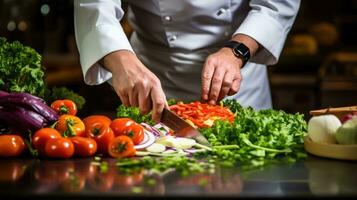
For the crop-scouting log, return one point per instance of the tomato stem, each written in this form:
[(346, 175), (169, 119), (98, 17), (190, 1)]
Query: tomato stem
[(63, 110)]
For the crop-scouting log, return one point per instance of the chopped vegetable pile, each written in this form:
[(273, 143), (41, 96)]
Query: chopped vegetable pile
[(202, 115), (254, 138)]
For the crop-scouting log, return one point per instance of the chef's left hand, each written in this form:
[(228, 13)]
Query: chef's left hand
[(221, 75)]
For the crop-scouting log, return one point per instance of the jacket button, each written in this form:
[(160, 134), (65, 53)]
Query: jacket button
[(221, 11), (172, 38), (167, 18)]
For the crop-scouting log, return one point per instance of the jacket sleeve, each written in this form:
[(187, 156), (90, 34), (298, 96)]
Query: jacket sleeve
[(98, 32), (269, 22)]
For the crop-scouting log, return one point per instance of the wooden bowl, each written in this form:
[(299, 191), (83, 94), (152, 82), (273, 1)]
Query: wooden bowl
[(336, 151)]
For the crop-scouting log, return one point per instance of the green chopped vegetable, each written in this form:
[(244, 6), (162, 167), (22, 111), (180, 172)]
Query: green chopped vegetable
[(64, 93), (134, 113), (20, 69), (254, 139), (261, 135)]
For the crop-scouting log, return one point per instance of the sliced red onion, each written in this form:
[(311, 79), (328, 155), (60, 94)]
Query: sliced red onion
[(151, 129), (148, 140)]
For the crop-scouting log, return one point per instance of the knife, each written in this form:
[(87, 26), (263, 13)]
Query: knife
[(181, 127)]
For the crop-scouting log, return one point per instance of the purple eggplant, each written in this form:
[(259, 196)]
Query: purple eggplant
[(22, 119), (31, 102), (3, 93)]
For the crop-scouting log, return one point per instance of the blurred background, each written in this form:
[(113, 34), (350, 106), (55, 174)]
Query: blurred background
[(317, 69)]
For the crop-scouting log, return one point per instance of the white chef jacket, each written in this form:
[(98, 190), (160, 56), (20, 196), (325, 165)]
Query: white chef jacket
[(174, 37)]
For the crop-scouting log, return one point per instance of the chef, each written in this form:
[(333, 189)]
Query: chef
[(184, 49)]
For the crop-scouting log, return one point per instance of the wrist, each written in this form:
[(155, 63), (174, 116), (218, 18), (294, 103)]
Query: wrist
[(113, 61), (239, 50)]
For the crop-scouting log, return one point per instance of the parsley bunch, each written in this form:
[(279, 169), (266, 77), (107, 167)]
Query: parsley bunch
[(261, 136), (20, 69)]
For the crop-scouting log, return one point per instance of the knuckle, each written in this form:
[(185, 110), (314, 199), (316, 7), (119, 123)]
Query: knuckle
[(216, 79), (206, 76)]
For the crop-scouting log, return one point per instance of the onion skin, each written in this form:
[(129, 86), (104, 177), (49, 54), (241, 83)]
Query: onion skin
[(348, 117)]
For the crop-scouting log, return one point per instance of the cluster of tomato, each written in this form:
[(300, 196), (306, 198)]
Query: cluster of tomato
[(202, 115), (71, 136)]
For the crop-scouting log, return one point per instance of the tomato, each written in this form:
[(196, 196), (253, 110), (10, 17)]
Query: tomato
[(135, 132), (65, 106), (102, 134), (69, 125), (11, 145), (121, 147), (95, 119), (59, 148), (84, 147), (41, 136), (118, 125)]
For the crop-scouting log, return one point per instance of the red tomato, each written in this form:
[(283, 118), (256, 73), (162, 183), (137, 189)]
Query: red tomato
[(59, 148), (120, 124), (135, 132), (69, 125), (11, 145), (95, 119), (84, 147), (121, 147), (65, 106), (41, 136), (102, 134)]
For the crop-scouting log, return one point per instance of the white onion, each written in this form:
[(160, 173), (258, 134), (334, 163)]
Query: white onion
[(323, 128)]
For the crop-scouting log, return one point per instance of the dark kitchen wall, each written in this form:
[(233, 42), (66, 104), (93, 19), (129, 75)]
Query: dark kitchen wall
[(316, 69)]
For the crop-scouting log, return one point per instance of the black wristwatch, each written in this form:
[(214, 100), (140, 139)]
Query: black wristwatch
[(239, 50)]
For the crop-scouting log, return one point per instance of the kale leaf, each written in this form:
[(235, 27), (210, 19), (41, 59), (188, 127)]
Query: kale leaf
[(20, 69)]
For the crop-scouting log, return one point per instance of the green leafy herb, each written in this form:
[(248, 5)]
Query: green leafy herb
[(262, 136), (133, 113), (20, 69), (254, 139), (64, 93)]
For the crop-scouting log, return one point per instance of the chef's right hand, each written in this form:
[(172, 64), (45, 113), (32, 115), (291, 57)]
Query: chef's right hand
[(135, 84)]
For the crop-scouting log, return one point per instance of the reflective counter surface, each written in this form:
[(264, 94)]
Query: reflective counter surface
[(80, 178)]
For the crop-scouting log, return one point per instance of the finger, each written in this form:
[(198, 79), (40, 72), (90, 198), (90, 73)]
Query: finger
[(144, 101), (133, 97), (216, 86), (235, 86), (206, 78), (226, 85), (123, 98), (158, 103)]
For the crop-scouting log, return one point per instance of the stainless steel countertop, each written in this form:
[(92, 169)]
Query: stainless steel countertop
[(79, 178)]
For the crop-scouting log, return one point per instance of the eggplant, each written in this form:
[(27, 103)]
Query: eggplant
[(31, 102), (22, 119), (3, 93)]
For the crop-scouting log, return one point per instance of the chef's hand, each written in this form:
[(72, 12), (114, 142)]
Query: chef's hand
[(221, 74), (135, 84)]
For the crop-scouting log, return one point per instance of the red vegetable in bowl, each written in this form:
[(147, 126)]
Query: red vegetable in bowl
[(348, 117)]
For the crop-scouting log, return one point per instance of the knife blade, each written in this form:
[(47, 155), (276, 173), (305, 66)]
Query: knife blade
[(181, 127)]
